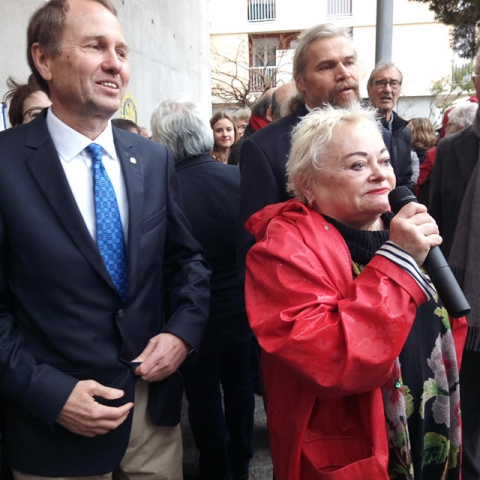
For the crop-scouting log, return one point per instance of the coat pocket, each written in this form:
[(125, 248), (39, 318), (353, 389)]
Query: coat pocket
[(339, 458), (155, 220)]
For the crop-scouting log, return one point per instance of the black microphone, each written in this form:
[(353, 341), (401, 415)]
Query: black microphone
[(435, 264)]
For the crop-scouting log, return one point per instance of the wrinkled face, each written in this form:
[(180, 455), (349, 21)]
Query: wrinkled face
[(331, 74), (385, 90), (89, 78), (34, 104), (356, 178), (241, 126), (223, 133)]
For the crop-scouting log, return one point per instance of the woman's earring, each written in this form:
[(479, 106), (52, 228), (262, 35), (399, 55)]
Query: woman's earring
[(310, 203)]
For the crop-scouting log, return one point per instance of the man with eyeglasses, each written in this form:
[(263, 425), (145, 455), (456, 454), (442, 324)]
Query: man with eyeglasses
[(384, 87)]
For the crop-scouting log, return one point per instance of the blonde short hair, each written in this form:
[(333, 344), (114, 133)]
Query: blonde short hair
[(310, 140)]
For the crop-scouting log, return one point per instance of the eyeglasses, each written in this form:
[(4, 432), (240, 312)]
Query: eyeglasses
[(33, 112), (394, 84)]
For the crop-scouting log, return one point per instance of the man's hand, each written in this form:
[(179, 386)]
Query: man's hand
[(163, 354), (81, 414)]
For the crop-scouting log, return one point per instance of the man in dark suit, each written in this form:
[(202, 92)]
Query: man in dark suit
[(455, 204), (325, 70), (104, 291)]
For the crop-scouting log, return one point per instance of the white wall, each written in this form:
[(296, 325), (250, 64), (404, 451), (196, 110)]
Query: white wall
[(169, 41)]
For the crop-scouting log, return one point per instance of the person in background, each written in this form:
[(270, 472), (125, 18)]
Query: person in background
[(360, 360), (210, 194), (384, 88), (261, 116), (423, 136), (126, 124), (241, 118), (454, 202), (104, 292), (224, 135), (462, 116), (27, 100), (326, 72), (144, 132), (281, 99)]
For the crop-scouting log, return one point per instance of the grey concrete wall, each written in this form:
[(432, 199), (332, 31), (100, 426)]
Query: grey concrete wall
[(169, 41)]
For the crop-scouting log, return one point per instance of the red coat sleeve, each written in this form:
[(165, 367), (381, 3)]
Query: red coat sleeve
[(341, 335)]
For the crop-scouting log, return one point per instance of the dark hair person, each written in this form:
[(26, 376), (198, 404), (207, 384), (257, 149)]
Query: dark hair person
[(360, 361), (26, 100)]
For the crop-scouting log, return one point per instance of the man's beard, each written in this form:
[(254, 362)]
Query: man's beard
[(337, 100)]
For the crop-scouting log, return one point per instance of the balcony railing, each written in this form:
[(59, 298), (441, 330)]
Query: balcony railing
[(261, 10), (262, 77), (337, 8)]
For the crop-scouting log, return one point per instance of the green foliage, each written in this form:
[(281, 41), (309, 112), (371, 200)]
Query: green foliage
[(446, 90), (436, 448), (464, 16)]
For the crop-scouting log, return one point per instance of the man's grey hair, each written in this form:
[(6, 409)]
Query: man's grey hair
[(179, 125), (463, 114), (310, 140), (383, 66), (319, 32)]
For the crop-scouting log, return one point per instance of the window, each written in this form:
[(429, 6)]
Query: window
[(261, 10), (336, 8), (263, 62)]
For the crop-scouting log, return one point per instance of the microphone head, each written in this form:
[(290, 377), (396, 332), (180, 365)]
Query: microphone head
[(399, 197)]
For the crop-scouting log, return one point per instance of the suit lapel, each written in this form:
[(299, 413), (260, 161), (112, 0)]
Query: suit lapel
[(131, 163), (49, 175)]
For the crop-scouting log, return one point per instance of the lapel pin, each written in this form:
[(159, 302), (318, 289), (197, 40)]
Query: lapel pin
[(133, 160)]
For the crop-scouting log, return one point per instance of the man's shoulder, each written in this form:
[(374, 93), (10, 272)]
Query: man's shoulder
[(465, 136), (275, 130)]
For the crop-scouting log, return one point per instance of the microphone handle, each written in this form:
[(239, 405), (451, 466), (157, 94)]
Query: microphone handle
[(446, 284)]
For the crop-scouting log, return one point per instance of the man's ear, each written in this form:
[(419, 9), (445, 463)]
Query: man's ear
[(299, 83), (42, 62), (269, 115)]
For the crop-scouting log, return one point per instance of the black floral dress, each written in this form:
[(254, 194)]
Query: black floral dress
[(422, 396)]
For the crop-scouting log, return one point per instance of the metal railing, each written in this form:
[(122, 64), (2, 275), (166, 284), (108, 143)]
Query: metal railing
[(261, 10), (336, 8), (261, 77)]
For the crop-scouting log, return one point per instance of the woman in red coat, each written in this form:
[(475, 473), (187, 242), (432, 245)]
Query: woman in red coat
[(360, 361)]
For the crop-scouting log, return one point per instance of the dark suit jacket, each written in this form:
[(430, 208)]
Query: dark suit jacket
[(210, 193), (264, 156), (457, 156), (61, 319)]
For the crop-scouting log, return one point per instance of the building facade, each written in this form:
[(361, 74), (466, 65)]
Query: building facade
[(261, 34)]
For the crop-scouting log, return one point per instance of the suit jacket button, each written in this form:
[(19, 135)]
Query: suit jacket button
[(120, 313)]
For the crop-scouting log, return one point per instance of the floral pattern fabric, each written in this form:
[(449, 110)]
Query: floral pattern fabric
[(422, 401)]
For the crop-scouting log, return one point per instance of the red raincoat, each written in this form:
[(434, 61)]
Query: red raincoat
[(328, 343)]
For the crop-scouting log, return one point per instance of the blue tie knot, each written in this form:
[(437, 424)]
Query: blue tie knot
[(95, 151)]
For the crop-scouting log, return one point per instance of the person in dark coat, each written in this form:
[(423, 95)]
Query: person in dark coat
[(455, 204), (384, 87), (210, 192)]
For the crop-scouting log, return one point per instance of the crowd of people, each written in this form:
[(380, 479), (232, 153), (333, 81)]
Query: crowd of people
[(136, 267)]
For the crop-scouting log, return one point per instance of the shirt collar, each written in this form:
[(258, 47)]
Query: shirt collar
[(69, 143)]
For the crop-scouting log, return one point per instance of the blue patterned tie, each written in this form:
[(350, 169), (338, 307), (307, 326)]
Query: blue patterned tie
[(110, 239)]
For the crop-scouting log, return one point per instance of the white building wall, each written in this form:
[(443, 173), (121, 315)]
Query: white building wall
[(169, 41)]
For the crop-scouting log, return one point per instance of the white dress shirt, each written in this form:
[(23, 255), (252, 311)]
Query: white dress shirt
[(77, 164)]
